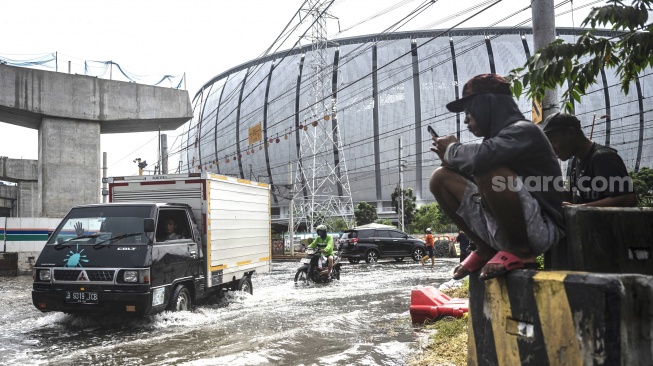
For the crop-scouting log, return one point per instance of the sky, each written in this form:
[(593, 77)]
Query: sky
[(199, 39)]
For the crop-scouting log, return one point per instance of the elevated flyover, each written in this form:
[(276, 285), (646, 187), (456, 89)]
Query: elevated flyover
[(70, 112)]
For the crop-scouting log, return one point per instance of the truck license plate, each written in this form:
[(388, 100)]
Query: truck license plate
[(305, 260), (76, 297)]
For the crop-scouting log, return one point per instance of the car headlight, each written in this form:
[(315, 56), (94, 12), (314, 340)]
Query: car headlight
[(130, 276), (45, 275)]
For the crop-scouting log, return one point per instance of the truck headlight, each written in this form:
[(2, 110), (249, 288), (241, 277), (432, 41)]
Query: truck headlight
[(130, 276), (45, 275)]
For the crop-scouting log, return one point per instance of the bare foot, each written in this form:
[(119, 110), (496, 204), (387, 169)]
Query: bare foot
[(460, 272)]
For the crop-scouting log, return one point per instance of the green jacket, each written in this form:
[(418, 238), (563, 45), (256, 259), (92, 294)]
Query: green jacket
[(326, 244)]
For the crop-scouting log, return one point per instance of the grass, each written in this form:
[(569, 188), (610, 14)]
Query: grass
[(448, 343)]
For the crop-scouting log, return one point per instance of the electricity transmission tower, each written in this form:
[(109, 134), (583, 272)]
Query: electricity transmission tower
[(321, 183)]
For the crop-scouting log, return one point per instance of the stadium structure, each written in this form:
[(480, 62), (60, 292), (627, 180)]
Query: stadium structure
[(248, 121)]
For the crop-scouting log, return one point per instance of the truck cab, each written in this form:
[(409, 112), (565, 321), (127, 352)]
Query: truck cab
[(163, 242), (120, 258)]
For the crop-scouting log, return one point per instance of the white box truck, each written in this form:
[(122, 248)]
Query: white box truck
[(163, 242)]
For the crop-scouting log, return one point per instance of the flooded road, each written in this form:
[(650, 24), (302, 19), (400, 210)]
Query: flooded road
[(361, 320)]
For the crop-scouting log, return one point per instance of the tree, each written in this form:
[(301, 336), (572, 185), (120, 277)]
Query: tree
[(409, 204), (426, 216), (337, 224), (431, 216), (365, 213), (384, 222), (643, 183), (630, 53)]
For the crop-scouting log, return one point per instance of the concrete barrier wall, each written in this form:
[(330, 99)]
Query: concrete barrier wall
[(25, 236), (605, 240), (561, 318)]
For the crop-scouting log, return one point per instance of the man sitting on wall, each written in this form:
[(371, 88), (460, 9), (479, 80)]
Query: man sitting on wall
[(598, 174)]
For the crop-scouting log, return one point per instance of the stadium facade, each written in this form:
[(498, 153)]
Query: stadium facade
[(385, 86)]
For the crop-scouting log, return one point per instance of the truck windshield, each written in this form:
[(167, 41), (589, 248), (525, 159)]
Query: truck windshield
[(92, 225)]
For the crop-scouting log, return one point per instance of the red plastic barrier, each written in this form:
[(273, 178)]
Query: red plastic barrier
[(427, 303)]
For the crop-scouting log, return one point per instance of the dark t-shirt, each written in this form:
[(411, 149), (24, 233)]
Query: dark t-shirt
[(464, 242), (601, 175)]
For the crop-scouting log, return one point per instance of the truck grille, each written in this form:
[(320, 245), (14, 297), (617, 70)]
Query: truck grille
[(95, 275), (99, 275)]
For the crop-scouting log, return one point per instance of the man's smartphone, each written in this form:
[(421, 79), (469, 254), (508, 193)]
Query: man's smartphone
[(432, 131)]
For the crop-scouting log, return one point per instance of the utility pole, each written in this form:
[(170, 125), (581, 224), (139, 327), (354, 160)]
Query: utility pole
[(104, 177), (291, 224), (544, 32), (164, 153), (158, 161), (401, 188)]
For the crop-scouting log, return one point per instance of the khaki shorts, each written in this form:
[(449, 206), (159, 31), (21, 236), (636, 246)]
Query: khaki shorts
[(541, 230)]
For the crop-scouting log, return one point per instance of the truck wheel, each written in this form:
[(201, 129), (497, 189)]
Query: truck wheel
[(180, 299), (245, 285)]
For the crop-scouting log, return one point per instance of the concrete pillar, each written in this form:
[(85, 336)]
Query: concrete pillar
[(69, 174), (27, 197)]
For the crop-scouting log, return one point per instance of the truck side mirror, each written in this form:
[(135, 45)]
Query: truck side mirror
[(148, 225)]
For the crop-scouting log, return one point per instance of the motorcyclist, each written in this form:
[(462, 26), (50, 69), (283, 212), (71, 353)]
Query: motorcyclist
[(325, 244)]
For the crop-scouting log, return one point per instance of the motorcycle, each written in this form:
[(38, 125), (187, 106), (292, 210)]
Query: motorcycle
[(314, 264)]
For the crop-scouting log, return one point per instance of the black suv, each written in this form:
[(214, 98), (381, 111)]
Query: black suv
[(371, 244)]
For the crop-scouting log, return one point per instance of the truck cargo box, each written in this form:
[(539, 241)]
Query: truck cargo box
[(233, 217)]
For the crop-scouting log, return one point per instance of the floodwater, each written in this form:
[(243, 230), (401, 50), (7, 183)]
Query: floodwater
[(363, 319)]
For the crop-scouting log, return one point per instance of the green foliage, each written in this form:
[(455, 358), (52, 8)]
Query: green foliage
[(338, 224), (409, 204), (560, 62), (365, 213), (431, 216), (448, 328), (384, 222), (643, 184), (426, 216)]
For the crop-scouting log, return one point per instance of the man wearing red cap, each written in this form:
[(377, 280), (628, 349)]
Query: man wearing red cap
[(505, 191)]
